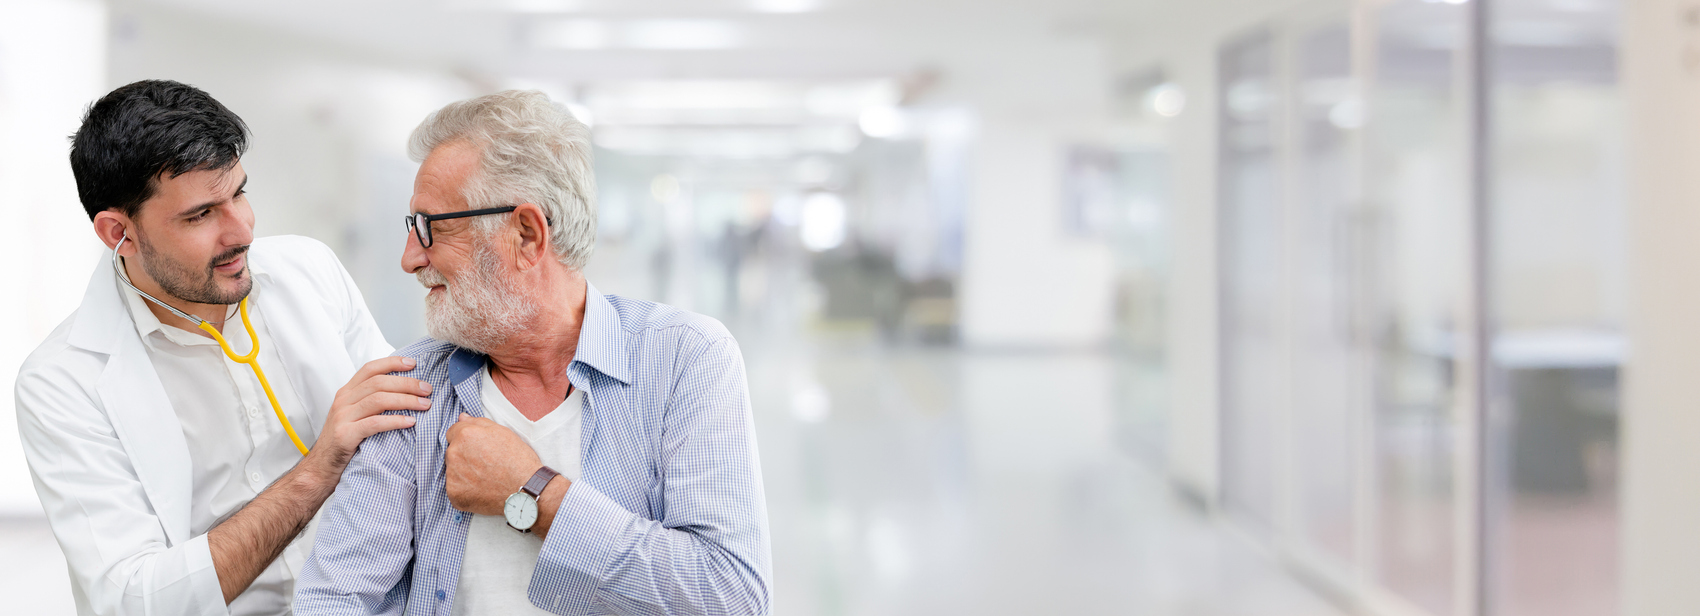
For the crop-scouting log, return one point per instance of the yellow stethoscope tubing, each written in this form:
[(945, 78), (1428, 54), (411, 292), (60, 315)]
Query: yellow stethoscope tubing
[(251, 359)]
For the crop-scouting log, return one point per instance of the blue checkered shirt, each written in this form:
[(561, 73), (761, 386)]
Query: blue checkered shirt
[(668, 516)]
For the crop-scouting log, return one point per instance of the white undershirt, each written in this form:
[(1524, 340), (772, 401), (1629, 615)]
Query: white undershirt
[(496, 571), (237, 447)]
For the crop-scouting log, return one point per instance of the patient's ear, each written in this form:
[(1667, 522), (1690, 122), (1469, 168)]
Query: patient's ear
[(533, 237)]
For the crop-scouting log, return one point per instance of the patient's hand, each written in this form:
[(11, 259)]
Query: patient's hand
[(485, 464)]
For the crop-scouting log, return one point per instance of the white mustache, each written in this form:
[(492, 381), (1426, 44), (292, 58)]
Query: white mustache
[(430, 277)]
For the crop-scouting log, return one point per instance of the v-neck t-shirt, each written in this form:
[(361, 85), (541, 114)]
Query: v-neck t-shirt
[(496, 572)]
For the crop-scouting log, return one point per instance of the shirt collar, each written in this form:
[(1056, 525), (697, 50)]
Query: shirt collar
[(601, 339), (146, 322), (601, 343)]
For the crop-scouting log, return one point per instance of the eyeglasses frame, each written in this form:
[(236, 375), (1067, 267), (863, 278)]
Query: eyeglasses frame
[(413, 221)]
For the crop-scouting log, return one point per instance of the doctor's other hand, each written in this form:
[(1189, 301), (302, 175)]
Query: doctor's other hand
[(356, 413), (484, 464)]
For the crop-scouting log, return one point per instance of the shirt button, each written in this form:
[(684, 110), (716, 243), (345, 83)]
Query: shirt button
[(254, 476), (441, 595)]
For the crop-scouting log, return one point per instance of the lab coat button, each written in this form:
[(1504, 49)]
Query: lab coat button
[(254, 476), (252, 412)]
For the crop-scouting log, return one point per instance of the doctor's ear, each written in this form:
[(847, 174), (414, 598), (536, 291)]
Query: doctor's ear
[(112, 226)]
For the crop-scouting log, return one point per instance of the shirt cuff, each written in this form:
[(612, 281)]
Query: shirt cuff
[(200, 574), (579, 548)]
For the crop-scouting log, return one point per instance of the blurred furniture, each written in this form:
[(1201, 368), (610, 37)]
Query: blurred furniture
[(1563, 389)]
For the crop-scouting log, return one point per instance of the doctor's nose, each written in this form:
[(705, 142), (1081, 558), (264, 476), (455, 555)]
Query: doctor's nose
[(239, 229)]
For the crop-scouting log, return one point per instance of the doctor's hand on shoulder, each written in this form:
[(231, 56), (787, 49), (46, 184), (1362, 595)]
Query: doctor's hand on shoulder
[(245, 544), (357, 411)]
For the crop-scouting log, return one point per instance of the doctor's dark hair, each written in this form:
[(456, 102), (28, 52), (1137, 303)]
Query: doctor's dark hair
[(148, 129)]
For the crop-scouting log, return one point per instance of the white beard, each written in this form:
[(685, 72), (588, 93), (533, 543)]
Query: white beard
[(481, 310)]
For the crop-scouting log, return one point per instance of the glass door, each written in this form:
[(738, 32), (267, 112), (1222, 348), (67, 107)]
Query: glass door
[(1558, 289)]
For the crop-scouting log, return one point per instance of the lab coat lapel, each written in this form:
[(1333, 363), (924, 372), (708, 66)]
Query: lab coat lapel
[(136, 404)]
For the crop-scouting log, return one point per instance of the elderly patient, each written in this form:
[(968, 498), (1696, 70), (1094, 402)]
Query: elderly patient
[(584, 453)]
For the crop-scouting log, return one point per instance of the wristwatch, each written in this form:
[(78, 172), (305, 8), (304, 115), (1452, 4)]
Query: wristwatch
[(521, 506)]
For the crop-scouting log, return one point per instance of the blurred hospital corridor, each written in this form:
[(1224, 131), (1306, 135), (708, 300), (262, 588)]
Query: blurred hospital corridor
[(1166, 307)]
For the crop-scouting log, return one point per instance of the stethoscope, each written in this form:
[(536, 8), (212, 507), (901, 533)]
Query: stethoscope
[(251, 358)]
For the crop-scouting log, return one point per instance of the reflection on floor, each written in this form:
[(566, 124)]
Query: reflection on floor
[(931, 481), (919, 481), (1562, 556)]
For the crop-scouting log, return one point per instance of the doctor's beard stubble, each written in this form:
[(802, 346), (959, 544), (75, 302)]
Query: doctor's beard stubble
[(180, 281), (481, 309)]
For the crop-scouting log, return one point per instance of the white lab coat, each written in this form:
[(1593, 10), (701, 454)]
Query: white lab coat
[(106, 449)]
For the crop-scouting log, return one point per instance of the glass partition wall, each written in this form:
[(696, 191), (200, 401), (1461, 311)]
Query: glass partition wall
[(1252, 253), (1327, 110), (1391, 174)]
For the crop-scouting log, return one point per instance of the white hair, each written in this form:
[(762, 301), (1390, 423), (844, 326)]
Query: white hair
[(533, 151)]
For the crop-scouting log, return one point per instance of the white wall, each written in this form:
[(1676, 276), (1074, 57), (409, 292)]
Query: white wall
[(328, 157), (1661, 398), (1026, 282), (52, 64)]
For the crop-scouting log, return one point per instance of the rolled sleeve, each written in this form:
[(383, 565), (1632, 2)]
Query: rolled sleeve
[(193, 564)]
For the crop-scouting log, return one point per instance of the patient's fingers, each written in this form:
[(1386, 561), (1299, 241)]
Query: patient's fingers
[(460, 425)]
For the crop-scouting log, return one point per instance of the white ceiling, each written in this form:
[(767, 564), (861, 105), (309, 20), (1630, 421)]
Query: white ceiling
[(578, 40)]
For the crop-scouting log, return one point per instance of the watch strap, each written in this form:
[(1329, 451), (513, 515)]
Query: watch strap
[(538, 481)]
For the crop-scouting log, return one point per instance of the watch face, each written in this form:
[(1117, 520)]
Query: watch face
[(521, 510)]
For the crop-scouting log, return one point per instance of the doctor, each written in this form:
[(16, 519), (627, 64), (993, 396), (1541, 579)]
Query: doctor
[(170, 483)]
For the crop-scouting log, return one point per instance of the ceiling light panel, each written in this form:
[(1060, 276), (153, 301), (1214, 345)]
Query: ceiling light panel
[(514, 6), (710, 102), (656, 8), (660, 34), (785, 6), (734, 143)]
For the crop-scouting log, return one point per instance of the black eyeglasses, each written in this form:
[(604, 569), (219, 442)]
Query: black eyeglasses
[(420, 223)]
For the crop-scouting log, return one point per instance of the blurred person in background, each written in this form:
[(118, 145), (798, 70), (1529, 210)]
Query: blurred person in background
[(586, 453), (167, 481)]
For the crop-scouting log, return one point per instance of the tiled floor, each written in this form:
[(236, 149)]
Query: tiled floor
[(932, 481)]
